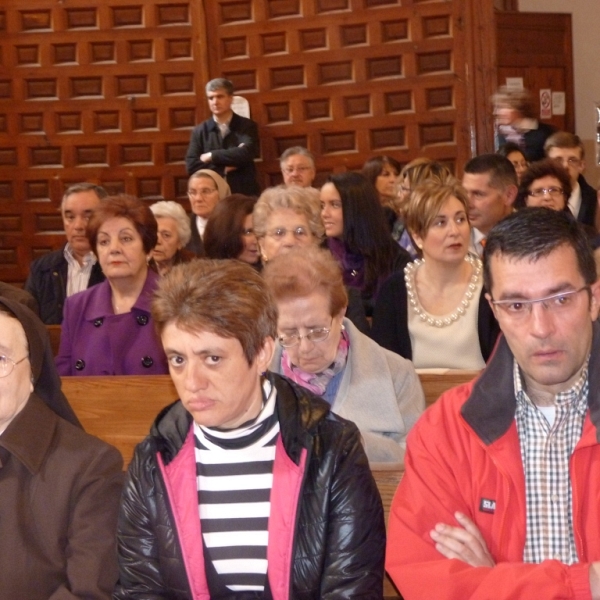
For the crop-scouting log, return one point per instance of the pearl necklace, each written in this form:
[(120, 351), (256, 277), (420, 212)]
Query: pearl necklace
[(410, 273)]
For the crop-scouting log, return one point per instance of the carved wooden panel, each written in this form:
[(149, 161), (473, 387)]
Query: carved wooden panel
[(348, 78), (90, 91)]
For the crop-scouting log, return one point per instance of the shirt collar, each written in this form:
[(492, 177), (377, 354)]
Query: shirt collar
[(574, 201), (89, 258)]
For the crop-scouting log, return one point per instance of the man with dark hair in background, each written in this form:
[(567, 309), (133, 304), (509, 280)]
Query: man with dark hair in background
[(491, 184)]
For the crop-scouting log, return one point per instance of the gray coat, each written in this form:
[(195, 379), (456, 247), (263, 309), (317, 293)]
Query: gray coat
[(380, 392)]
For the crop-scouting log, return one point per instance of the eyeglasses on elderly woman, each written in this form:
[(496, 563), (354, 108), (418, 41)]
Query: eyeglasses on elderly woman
[(8, 364)]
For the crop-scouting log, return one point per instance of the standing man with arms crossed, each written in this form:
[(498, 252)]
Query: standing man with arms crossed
[(62, 273), (500, 494), (226, 143)]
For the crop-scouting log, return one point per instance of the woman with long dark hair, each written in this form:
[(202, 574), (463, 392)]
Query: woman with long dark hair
[(229, 231), (358, 236)]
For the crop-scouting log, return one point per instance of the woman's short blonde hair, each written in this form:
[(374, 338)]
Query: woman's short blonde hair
[(174, 210), (302, 271), (426, 202), (424, 169), (305, 201)]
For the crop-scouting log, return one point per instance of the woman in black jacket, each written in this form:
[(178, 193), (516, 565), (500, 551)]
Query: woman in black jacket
[(247, 487)]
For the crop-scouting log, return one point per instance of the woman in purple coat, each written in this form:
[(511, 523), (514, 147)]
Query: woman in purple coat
[(107, 329)]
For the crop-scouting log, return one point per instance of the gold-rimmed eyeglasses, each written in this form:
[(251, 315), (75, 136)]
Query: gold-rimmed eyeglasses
[(8, 364)]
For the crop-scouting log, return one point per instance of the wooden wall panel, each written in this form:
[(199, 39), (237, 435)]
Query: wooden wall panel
[(90, 91), (348, 78)]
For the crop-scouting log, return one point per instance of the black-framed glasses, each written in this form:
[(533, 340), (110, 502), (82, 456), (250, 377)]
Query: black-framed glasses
[(8, 364)]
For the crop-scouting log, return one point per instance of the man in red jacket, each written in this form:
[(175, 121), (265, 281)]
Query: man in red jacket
[(500, 498)]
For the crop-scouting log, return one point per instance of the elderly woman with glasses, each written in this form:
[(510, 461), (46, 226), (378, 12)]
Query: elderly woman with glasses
[(322, 351), (205, 189), (174, 233), (287, 217), (545, 183), (248, 486)]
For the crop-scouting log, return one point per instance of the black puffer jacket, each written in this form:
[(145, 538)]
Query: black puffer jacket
[(339, 539)]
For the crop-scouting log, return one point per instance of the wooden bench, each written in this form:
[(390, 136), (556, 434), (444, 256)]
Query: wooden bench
[(54, 333), (119, 409)]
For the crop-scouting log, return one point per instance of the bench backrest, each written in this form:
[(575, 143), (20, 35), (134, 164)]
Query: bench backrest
[(120, 409)]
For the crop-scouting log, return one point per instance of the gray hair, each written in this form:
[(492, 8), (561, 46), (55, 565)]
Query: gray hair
[(174, 210), (293, 151), (305, 201), (76, 188), (220, 84)]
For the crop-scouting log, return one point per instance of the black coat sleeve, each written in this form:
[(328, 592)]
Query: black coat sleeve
[(195, 149), (488, 329), (390, 317), (354, 562)]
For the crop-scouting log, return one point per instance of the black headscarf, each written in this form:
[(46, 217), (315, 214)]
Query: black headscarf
[(46, 381)]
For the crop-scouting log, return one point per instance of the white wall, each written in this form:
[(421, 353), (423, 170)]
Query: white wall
[(586, 57)]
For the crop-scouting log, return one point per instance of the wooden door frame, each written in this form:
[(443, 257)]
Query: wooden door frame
[(481, 66)]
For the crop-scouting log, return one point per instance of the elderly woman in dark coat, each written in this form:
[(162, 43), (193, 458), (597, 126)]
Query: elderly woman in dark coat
[(59, 487), (107, 329), (249, 486)]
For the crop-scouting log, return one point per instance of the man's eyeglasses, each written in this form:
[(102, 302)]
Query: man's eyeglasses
[(279, 233), (571, 161), (320, 334), (8, 364), (290, 170), (201, 192), (554, 192), (555, 303)]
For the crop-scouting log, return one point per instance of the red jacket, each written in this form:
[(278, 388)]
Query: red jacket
[(465, 451)]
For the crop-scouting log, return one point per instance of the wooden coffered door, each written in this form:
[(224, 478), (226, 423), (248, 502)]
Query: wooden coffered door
[(348, 79), (109, 91), (90, 91)]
